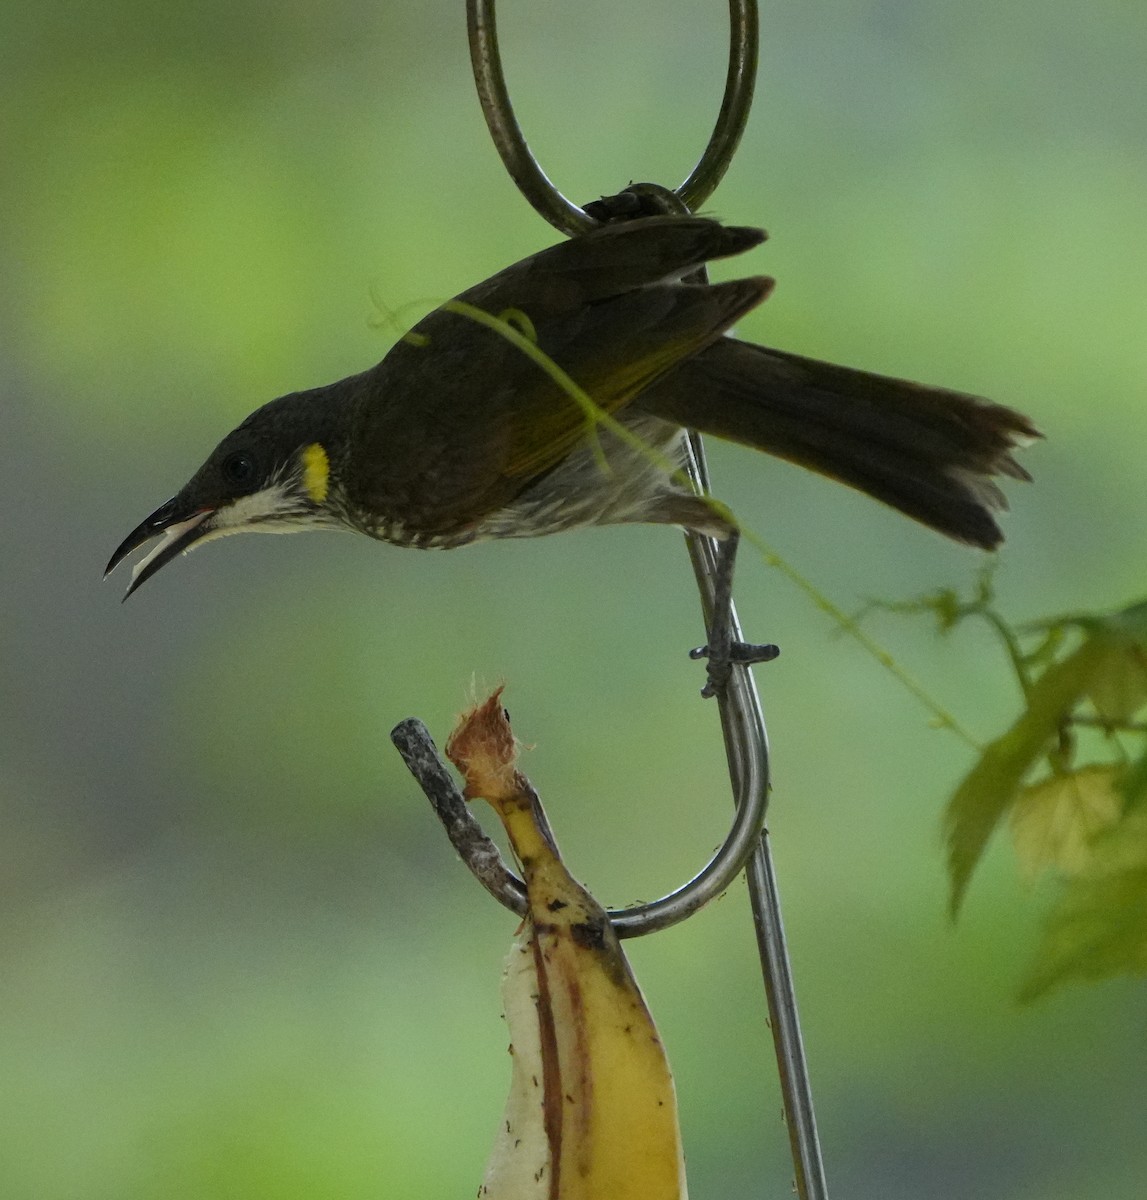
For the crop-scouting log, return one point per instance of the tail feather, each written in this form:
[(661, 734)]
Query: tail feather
[(929, 452)]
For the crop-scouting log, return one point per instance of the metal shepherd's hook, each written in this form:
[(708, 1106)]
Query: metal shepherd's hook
[(742, 721)]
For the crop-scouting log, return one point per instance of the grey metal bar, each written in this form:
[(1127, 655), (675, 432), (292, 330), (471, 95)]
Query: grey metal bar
[(747, 752)]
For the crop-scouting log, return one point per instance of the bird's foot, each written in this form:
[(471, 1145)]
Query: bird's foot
[(743, 654)]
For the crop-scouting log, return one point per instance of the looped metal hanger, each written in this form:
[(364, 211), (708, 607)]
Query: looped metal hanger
[(524, 168)]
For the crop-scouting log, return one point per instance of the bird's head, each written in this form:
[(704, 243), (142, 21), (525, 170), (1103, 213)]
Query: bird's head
[(275, 473)]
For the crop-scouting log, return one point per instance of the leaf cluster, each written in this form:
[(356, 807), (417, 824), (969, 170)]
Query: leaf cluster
[(1069, 776)]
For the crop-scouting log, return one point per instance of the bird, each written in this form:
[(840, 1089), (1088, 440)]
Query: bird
[(476, 424)]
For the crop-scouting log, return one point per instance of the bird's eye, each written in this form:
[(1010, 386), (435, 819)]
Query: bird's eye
[(239, 469)]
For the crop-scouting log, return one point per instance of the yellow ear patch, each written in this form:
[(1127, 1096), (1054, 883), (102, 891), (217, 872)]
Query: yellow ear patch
[(316, 472)]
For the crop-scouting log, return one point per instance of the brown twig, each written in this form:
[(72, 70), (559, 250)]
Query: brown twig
[(413, 741)]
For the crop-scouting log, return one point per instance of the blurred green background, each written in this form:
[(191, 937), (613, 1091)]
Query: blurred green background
[(238, 957)]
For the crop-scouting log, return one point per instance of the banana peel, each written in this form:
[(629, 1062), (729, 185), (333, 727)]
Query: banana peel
[(592, 1111)]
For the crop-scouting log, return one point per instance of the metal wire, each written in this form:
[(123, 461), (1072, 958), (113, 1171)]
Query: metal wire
[(747, 753), (524, 168)]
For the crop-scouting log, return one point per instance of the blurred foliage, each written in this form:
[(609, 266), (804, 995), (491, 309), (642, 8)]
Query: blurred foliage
[(1083, 821), (238, 958)]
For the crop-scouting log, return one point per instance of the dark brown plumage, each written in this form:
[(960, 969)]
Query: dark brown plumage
[(459, 435)]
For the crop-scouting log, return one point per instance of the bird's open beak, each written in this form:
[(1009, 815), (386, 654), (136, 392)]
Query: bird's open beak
[(178, 532)]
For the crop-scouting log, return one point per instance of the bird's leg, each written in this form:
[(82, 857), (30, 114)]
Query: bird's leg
[(722, 651)]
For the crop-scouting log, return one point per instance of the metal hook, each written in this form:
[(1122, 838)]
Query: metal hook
[(524, 169), (481, 855), (742, 720)]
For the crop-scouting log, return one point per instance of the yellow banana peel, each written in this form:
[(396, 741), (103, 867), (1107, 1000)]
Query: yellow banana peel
[(592, 1112)]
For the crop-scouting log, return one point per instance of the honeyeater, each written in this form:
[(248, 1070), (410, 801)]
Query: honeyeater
[(469, 430)]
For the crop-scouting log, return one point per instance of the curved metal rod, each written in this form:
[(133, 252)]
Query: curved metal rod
[(481, 855), (746, 748), (747, 751), (490, 81), (744, 40), (524, 169)]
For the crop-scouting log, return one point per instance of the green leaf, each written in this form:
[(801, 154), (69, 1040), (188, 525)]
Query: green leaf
[(1054, 822), (1099, 927), (1109, 668), (991, 786)]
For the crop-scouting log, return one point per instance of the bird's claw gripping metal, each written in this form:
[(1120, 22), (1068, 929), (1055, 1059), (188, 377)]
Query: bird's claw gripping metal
[(745, 654), (723, 650)]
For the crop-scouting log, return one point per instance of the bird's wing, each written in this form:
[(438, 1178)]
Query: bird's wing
[(611, 350)]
